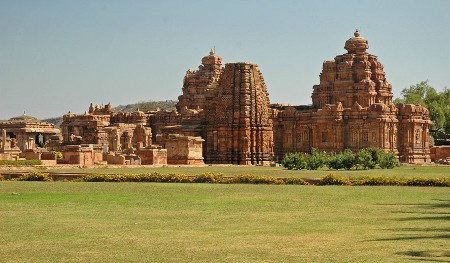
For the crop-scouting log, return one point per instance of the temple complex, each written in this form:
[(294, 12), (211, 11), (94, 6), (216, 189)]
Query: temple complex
[(23, 133), (224, 116)]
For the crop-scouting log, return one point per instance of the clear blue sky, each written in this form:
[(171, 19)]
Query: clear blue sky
[(59, 55)]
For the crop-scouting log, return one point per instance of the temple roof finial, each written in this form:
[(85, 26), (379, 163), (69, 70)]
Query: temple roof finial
[(357, 34), (211, 52)]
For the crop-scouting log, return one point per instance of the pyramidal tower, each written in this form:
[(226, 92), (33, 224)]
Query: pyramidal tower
[(239, 126)]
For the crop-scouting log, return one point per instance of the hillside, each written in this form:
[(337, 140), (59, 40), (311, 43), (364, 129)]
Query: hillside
[(143, 106), (147, 106)]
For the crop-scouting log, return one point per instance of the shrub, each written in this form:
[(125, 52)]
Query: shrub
[(58, 155), (35, 176), (177, 178), (208, 178), (20, 162), (345, 159), (388, 161), (152, 177), (365, 159), (332, 179), (378, 180), (252, 179), (376, 154), (316, 159), (103, 178), (335, 161), (295, 181), (295, 161), (348, 160), (417, 181), (2, 178)]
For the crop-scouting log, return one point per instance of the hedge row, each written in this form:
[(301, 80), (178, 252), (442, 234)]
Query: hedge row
[(20, 162), (34, 176), (213, 178), (218, 178), (332, 179)]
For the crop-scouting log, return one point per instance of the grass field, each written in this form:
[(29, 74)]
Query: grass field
[(403, 171), (150, 222)]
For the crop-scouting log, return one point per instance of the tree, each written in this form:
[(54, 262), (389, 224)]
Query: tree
[(316, 159), (365, 159), (349, 159), (344, 159), (388, 161), (438, 104), (295, 161)]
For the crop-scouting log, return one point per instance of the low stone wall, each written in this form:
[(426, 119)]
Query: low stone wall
[(152, 156), (7, 156), (440, 153), (115, 159), (48, 162)]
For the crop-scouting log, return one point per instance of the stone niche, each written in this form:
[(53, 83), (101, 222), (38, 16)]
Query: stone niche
[(184, 150)]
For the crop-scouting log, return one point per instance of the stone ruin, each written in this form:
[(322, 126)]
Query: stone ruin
[(352, 108), (224, 116), (28, 135)]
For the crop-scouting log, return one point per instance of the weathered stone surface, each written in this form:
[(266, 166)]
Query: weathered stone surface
[(78, 154), (197, 83), (184, 150), (440, 154), (224, 114), (353, 77), (238, 123), (101, 126), (152, 156), (352, 108), (25, 132)]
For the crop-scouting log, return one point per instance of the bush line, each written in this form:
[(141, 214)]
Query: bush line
[(332, 179), (219, 178), (367, 158), (20, 162)]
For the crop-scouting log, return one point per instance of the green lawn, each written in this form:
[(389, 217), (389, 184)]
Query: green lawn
[(150, 222), (403, 171)]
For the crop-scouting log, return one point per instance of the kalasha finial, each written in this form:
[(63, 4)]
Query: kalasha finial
[(357, 33), (211, 52)]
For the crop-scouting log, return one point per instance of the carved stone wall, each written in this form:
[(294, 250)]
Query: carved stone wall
[(101, 126), (352, 108), (229, 109), (238, 121), (197, 83), (353, 77), (414, 126)]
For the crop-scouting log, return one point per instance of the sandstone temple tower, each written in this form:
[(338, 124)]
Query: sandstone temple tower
[(238, 127), (352, 108), (355, 77)]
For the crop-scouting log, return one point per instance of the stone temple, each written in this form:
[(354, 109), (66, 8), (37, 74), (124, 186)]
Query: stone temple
[(224, 116), (352, 108)]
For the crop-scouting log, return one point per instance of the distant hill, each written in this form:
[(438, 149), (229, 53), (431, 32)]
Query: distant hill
[(147, 106), (143, 106), (56, 120)]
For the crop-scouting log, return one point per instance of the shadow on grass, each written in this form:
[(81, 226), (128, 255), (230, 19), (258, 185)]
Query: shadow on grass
[(426, 233), (427, 255), (415, 218), (445, 236)]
